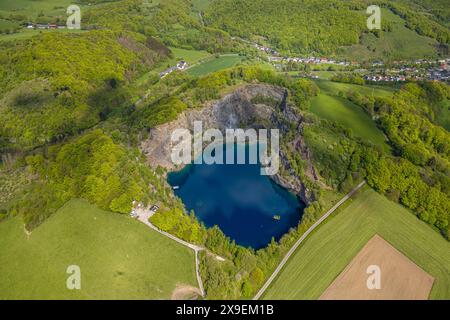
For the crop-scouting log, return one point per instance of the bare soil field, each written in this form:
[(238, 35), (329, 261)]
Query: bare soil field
[(186, 292), (401, 279)]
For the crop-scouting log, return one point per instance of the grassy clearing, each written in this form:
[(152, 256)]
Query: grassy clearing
[(333, 245), (8, 25), (333, 88), (349, 115), (400, 43), (215, 64), (443, 115), (120, 258), (32, 8), (28, 33), (327, 75), (190, 56), (201, 5)]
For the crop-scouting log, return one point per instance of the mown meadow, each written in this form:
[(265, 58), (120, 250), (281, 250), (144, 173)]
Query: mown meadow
[(119, 258), (328, 250)]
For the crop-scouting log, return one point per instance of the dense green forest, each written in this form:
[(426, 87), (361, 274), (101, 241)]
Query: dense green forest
[(171, 21), (291, 26), (92, 167), (55, 85)]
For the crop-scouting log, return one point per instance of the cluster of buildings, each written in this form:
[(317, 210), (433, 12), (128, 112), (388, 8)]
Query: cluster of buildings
[(433, 75), (45, 26), (139, 209), (438, 70), (182, 65), (439, 74), (266, 49), (314, 60), (384, 78), (425, 61), (274, 56), (421, 69)]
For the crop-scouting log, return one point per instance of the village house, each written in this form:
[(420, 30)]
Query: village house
[(182, 65), (44, 26), (275, 59)]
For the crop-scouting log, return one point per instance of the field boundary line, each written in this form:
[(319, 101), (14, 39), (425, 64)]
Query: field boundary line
[(302, 238), (144, 219)]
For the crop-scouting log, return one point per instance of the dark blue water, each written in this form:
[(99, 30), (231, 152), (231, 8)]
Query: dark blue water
[(239, 200)]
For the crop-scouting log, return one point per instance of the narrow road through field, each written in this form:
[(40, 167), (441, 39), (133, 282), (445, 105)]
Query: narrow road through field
[(303, 237), (144, 218)]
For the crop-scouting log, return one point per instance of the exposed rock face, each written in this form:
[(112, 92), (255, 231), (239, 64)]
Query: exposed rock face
[(290, 180), (247, 107)]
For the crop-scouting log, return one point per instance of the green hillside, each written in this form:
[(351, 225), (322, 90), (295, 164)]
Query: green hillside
[(443, 114), (119, 258), (32, 8), (396, 44), (350, 116), (334, 88), (290, 25), (331, 27), (215, 64), (65, 89)]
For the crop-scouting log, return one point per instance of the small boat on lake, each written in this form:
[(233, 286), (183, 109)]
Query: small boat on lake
[(276, 217), (176, 187)]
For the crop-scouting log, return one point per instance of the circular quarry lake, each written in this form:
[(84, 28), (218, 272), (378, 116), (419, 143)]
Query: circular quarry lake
[(248, 207)]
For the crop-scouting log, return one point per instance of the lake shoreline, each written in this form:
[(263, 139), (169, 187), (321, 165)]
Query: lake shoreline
[(248, 207)]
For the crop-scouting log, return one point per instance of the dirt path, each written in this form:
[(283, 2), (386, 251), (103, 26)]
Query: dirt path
[(303, 237), (143, 217)]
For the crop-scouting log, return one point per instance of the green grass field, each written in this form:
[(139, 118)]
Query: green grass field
[(350, 116), (34, 7), (51, 10), (400, 43), (215, 64), (201, 4), (120, 258), (328, 250), (333, 88), (29, 33), (190, 56), (327, 75), (8, 25)]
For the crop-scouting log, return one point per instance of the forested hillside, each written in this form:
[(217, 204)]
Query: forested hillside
[(172, 21), (291, 26), (312, 26), (55, 85), (92, 167)]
